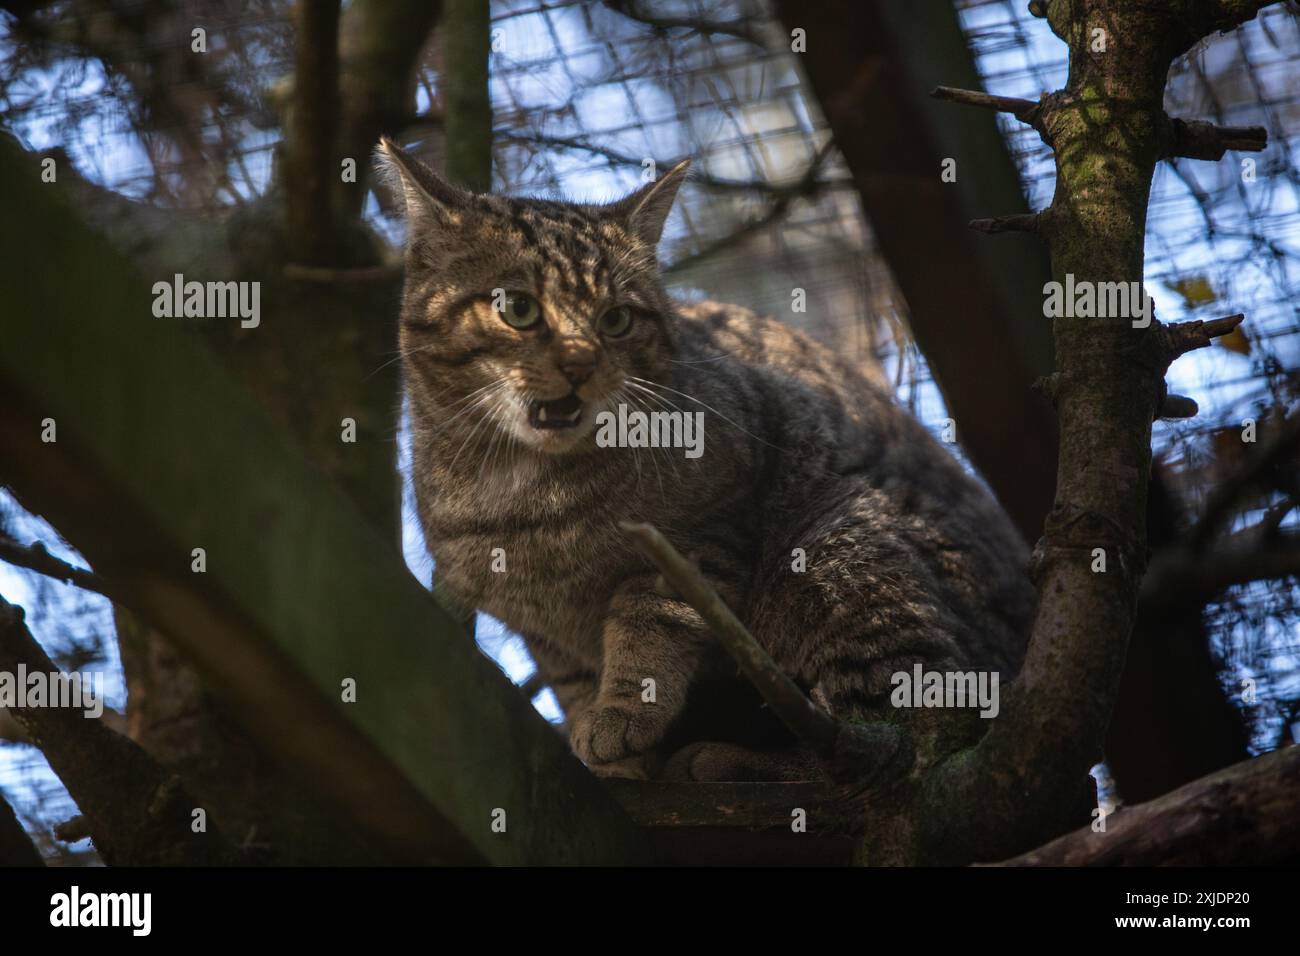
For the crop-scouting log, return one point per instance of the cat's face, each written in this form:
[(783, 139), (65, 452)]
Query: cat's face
[(526, 316)]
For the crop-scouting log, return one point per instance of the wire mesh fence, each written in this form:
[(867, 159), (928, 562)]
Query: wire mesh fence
[(590, 98)]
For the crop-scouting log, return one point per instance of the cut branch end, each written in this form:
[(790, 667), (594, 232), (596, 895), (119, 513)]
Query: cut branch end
[(1020, 222), (1177, 406), (1197, 139), (1184, 337)]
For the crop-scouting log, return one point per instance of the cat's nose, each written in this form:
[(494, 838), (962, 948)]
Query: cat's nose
[(578, 368)]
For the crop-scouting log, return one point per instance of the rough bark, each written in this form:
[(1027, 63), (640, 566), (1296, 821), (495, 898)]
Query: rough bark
[(1107, 129)]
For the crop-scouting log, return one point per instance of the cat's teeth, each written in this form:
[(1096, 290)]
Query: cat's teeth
[(541, 414)]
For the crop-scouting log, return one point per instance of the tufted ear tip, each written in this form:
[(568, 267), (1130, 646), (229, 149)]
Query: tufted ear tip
[(426, 193), (646, 210)]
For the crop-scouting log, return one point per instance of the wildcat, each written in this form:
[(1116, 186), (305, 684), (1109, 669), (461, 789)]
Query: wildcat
[(522, 320)]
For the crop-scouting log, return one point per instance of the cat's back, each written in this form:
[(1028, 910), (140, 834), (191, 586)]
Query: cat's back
[(712, 331)]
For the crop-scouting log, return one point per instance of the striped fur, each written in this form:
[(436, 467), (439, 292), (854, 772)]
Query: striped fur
[(908, 558)]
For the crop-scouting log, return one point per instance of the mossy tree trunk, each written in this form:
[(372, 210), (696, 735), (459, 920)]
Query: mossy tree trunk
[(1108, 129)]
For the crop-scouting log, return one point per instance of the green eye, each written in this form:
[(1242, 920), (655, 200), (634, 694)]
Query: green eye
[(616, 321), (521, 311)]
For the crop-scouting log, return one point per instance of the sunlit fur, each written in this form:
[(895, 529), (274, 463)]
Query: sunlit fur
[(907, 557)]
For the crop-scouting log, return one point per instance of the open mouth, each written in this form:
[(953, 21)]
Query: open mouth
[(563, 412)]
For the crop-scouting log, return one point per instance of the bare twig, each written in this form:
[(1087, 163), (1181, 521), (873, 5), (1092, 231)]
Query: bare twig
[(626, 159), (740, 29), (1225, 497), (846, 748), (34, 557), (809, 184), (1027, 111), (813, 725)]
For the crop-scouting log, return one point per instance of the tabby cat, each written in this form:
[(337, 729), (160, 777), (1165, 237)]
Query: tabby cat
[(846, 538)]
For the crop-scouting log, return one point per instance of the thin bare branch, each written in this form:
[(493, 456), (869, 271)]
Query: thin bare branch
[(34, 557), (1027, 111), (1224, 499), (740, 29), (814, 726), (846, 750)]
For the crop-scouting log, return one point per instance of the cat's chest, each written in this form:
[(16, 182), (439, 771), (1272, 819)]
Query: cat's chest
[(543, 562), (555, 583)]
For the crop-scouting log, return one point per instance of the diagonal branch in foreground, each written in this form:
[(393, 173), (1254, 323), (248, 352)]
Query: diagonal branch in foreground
[(848, 751)]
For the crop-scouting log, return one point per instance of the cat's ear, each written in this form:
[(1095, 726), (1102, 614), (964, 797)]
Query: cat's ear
[(646, 210), (429, 198)]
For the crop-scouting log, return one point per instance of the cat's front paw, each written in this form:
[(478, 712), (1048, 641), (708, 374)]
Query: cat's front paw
[(614, 732)]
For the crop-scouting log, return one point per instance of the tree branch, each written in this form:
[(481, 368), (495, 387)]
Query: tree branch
[(1020, 222), (1180, 576), (1223, 500), (138, 813), (739, 29), (1183, 337), (808, 185), (34, 557), (464, 37), (1107, 129), (1196, 139), (1027, 111), (848, 751), (1247, 813), (311, 134)]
